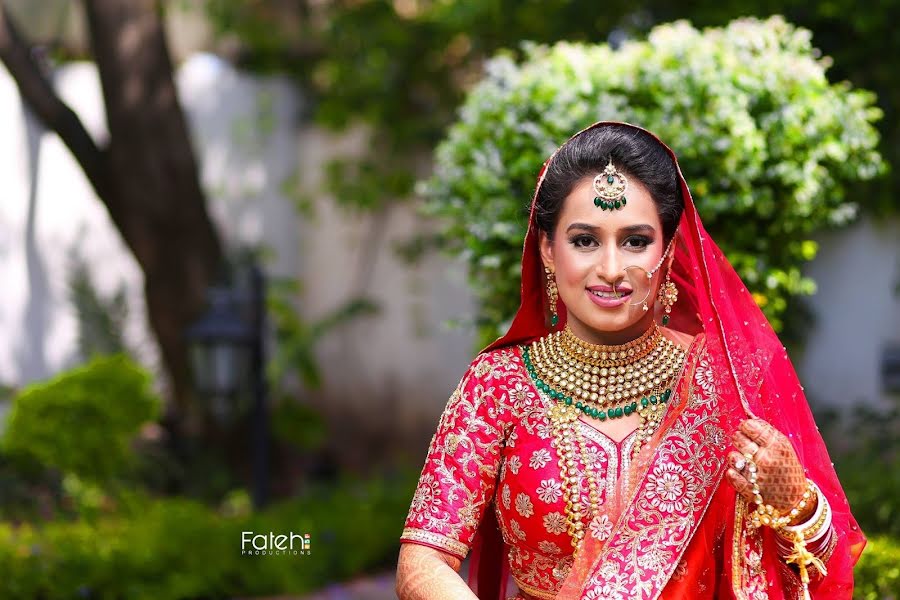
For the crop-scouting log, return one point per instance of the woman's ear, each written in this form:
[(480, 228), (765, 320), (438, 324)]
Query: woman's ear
[(546, 245)]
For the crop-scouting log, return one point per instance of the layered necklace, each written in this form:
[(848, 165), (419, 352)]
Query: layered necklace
[(604, 382)]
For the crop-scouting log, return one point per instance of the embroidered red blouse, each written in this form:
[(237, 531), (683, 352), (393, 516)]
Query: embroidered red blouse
[(493, 446)]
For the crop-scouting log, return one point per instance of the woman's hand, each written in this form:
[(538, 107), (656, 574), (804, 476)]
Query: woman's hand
[(779, 474)]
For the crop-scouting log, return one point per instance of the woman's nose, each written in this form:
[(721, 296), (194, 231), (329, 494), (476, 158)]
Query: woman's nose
[(608, 267)]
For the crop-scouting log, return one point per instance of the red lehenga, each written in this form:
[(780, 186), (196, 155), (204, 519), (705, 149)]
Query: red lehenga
[(669, 525)]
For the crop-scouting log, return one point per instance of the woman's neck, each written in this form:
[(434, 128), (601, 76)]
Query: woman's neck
[(613, 338)]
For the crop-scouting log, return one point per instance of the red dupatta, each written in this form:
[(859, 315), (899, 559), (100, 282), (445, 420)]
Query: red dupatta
[(753, 377)]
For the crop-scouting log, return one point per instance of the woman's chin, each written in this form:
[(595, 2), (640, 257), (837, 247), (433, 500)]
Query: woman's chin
[(613, 321)]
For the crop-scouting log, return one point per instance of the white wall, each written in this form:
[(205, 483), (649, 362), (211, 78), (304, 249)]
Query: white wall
[(250, 142), (858, 312)]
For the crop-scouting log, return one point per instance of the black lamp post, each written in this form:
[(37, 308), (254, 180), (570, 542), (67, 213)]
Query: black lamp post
[(227, 345)]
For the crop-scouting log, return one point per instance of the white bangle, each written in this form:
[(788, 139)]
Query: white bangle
[(817, 514)]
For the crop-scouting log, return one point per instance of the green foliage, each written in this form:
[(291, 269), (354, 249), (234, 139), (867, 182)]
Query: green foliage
[(866, 452), (877, 575), (297, 338), (176, 548), (100, 320), (83, 421), (403, 66), (770, 148)]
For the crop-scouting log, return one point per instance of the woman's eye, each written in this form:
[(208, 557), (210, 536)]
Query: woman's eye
[(583, 241), (637, 241)]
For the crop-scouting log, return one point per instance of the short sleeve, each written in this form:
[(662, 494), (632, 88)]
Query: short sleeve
[(460, 473)]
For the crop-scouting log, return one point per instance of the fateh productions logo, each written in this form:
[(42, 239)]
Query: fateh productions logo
[(275, 544)]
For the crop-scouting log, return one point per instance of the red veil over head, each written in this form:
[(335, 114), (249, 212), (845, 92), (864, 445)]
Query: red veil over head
[(754, 376)]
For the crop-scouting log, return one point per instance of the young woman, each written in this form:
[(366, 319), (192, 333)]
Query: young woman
[(639, 432)]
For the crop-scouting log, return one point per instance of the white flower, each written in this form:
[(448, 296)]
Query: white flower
[(514, 464), (705, 377), (593, 456), (539, 459), (427, 494), (544, 430), (519, 393), (550, 491), (669, 488), (601, 528)]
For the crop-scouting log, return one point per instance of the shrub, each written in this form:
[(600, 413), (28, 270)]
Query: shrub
[(164, 549), (83, 421), (770, 148), (877, 575)]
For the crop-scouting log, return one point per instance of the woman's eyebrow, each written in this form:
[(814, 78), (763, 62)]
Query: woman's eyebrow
[(642, 227), (637, 228)]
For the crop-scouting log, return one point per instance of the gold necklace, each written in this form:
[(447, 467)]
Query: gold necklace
[(605, 382)]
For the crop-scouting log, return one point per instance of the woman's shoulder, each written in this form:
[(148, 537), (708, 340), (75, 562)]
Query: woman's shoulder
[(496, 362), (684, 340)]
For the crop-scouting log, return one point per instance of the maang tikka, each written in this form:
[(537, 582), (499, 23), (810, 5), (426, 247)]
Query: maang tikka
[(610, 187)]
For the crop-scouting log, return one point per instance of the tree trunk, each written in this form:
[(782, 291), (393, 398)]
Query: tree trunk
[(147, 175)]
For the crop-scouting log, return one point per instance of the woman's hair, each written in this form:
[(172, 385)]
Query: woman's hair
[(634, 152)]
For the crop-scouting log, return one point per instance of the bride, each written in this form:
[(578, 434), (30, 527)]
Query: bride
[(639, 432)]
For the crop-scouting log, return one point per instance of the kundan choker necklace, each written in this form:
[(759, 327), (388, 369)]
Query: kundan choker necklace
[(604, 382)]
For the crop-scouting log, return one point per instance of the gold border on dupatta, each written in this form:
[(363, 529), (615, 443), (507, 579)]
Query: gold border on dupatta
[(699, 513)]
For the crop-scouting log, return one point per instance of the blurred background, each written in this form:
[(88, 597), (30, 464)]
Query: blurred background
[(248, 247)]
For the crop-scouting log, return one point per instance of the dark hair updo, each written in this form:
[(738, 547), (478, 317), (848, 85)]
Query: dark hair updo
[(634, 152)]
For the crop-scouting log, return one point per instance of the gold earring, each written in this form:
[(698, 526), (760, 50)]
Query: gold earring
[(552, 296), (667, 295)]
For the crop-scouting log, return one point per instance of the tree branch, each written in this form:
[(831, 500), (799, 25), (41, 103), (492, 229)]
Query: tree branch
[(39, 95)]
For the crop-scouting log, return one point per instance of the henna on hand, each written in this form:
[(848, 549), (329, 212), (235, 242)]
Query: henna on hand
[(426, 573), (779, 474)]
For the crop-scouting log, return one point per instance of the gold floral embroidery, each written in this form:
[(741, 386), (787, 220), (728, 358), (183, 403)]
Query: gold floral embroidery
[(601, 528), (549, 491), (555, 523), (548, 547), (539, 459), (670, 488), (748, 575), (646, 547), (517, 529), (461, 468), (515, 463), (524, 506)]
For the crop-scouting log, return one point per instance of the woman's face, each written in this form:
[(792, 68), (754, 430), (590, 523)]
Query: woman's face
[(589, 252)]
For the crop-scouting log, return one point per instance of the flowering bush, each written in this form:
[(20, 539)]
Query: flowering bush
[(770, 148)]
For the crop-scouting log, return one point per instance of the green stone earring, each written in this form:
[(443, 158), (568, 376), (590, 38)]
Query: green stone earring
[(552, 295), (667, 295), (610, 188)]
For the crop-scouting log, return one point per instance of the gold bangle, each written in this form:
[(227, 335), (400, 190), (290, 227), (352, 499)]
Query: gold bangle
[(810, 530)]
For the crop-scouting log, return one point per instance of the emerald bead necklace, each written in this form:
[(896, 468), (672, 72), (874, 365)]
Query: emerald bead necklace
[(600, 413)]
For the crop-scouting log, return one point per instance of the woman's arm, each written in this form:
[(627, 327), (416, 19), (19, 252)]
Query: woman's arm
[(424, 573)]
